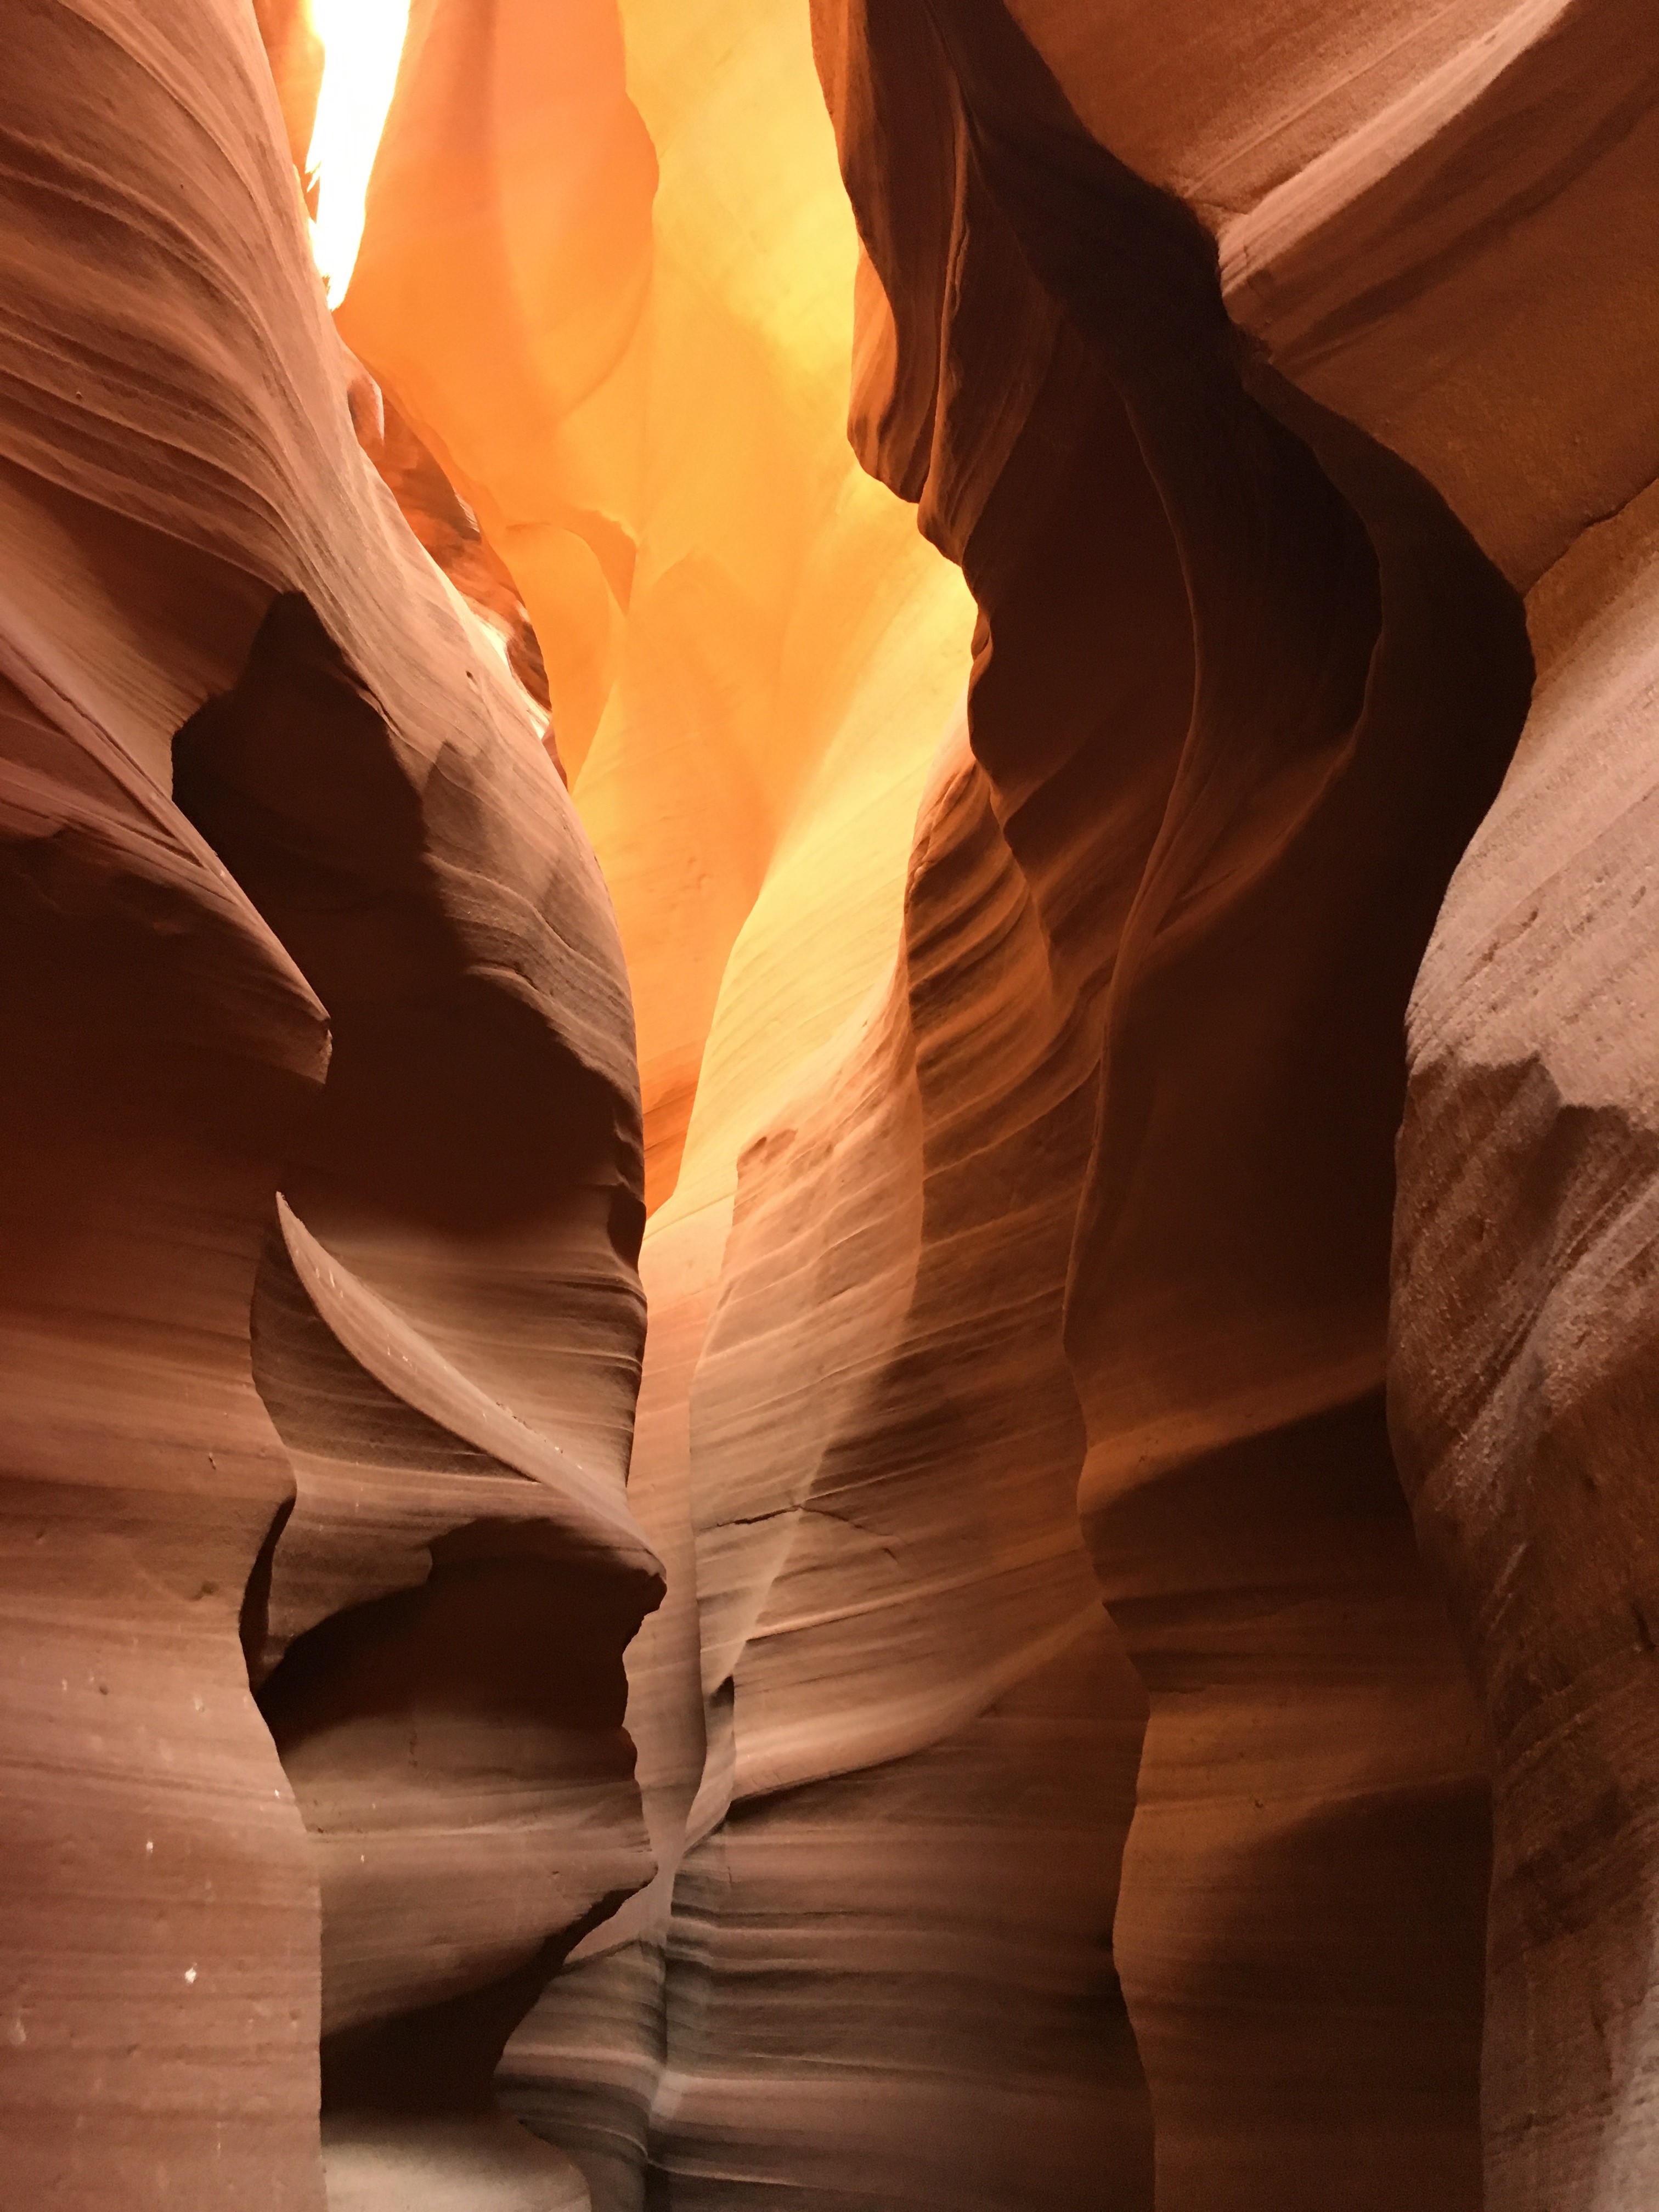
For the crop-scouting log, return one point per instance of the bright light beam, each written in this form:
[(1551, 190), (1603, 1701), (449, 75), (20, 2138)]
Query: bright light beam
[(362, 42)]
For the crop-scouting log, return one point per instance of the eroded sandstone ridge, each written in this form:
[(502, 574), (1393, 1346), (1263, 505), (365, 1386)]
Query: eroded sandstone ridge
[(1146, 1405)]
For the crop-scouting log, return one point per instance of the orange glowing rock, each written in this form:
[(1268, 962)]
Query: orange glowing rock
[(624, 326)]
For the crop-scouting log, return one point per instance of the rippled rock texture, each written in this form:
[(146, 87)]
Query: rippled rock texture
[(1144, 1421)]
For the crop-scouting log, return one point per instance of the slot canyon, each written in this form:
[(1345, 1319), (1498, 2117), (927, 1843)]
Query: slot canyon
[(830, 1236)]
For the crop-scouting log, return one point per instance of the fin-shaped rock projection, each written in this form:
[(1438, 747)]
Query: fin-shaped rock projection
[(964, 688)]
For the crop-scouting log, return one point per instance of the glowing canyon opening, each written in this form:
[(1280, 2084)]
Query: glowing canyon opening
[(827, 1343), (361, 42)]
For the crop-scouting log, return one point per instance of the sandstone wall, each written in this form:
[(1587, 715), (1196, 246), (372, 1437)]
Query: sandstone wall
[(322, 1325), (1243, 686)]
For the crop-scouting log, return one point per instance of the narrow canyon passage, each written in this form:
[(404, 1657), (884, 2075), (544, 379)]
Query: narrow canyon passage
[(826, 1340)]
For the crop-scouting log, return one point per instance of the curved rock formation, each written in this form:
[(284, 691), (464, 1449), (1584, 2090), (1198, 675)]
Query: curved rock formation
[(1235, 692), (323, 1323), (1260, 1559), (1244, 687), (903, 1588)]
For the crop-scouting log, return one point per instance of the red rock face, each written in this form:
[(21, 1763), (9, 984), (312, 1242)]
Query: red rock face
[(1110, 1667)]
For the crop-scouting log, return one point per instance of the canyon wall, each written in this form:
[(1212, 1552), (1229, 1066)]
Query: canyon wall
[(1272, 686), (1246, 676), (616, 311), (323, 1198), (1522, 1392)]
